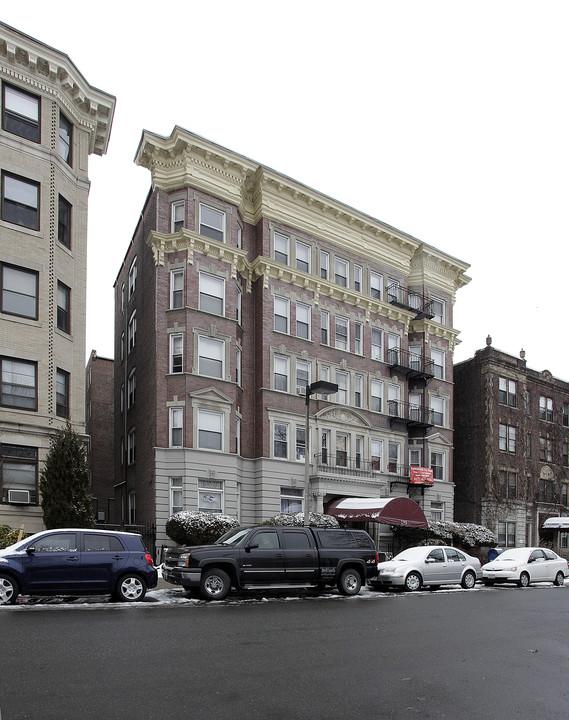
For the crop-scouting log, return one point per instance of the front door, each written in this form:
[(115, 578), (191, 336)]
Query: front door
[(435, 569), (53, 563), (301, 557), (262, 559)]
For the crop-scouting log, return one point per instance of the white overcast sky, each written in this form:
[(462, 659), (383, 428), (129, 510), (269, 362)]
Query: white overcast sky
[(446, 119)]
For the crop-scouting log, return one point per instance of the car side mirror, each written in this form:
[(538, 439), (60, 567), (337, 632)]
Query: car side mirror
[(30, 550), (429, 560), (251, 546)]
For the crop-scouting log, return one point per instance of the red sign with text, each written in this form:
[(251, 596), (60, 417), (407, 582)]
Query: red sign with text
[(421, 476)]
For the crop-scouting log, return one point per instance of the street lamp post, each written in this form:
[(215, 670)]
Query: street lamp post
[(322, 387)]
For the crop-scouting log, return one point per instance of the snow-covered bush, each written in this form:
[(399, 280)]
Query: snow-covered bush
[(297, 519), (467, 535), (192, 527)]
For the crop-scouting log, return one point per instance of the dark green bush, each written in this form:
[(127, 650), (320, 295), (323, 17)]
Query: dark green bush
[(8, 536)]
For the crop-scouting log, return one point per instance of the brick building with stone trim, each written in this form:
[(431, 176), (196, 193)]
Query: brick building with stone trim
[(511, 448), (52, 120), (240, 286)]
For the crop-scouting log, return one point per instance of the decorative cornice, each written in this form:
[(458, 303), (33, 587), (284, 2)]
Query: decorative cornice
[(185, 159), (48, 71)]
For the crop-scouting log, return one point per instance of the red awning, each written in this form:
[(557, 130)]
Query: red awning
[(391, 511)]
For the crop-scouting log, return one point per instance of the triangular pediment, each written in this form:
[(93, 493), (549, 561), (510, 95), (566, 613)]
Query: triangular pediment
[(439, 439), (212, 394), (343, 416)]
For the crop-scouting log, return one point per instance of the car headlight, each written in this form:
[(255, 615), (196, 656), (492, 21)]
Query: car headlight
[(183, 559)]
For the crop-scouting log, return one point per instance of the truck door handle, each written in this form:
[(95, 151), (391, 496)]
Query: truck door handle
[(73, 558), (279, 555)]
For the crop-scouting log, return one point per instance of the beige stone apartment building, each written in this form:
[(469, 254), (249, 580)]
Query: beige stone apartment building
[(240, 287), (52, 120)]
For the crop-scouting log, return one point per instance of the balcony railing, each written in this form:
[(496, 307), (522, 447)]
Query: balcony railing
[(410, 300), (339, 463), (412, 364), (412, 415)]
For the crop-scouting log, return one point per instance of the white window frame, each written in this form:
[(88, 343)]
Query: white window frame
[(438, 358), (176, 495), (286, 442), (210, 492), (132, 331), (176, 427), (211, 230), (292, 500), (131, 388), (359, 338), (282, 310), (281, 248), (343, 383), (304, 320), (376, 348), (300, 443), (358, 390), (177, 206), (281, 367), (358, 278), (303, 256), (304, 367), (376, 395), (376, 285), (212, 286), (209, 421), (434, 466), (376, 454), (206, 345), (341, 322), (341, 272), (438, 407), (238, 356), (132, 273), (324, 327), (324, 265), (438, 312), (176, 350), (176, 292)]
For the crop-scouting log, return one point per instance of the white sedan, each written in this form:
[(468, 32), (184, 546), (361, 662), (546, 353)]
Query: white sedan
[(526, 565)]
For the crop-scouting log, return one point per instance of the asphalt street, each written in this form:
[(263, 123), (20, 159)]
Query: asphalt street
[(487, 653)]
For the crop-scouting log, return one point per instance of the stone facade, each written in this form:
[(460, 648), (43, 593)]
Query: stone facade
[(247, 286), (52, 119), (511, 448)]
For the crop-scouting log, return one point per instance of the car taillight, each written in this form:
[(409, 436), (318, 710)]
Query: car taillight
[(148, 558), (377, 558)]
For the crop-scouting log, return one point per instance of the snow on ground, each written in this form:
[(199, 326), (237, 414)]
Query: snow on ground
[(177, 596)]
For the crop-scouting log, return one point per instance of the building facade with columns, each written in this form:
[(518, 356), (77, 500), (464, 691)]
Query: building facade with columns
[(52, 120), (512, 449), (240, 287)]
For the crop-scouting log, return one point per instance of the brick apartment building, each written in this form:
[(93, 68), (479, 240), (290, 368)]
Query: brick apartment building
[(52, 120), (511, 448), (100, 428), (240, 286)]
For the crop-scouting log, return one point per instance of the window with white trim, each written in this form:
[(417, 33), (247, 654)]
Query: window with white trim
[(210, 430), (20, 291), (176, 427), (63, 307), (438, 310), (342, 334), (65, 144), (438, 465), (239, 306), (282, 248), (19, 474), (507, 438), (300, 442), (20, 201), (281, 370), (393, 457), (546, 409), (324, 265), (358, 275), (394, 400), (178, 212), (376, 391), (343, 383), (132, 278), (212, 294), (376, 285), (302, 376), (211, 357), (62, 393), (438, 358), (132, 331), (437, 512), (303, 317), (303, 253), (282, 314), (176, 495), (376, 344), (415, 457), (64, 222), (507, 391), (19, 384), (238, 365), (210, 496), (358, 390), (341, 269), (176, 288), (325, 327), (212, 222), (438, 408), (507, 534), (177, 352), (280, 440), (21, 113), (131, 388), (292, 500), (358, 338), (376, 447)]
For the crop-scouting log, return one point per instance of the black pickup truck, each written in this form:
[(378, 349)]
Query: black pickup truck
[(269, 558)]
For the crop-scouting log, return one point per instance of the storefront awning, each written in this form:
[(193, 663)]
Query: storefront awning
[(556, 523), (391, 511)]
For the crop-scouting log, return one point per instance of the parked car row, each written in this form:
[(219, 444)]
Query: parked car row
[(77, 562), (81, 562), (435, 566)]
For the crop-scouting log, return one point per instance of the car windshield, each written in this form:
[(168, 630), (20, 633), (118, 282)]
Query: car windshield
[(233, 537), (513, 555), (411, 554)]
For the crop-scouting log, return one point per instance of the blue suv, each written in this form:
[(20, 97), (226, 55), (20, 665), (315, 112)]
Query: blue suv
[(77, 562)]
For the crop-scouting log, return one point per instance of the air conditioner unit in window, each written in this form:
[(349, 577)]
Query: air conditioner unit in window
[(19, 496), (301, 390)]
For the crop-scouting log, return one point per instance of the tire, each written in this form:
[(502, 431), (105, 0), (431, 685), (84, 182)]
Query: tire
[(413, 582), (215, 584), (9, 590), (559, 579), (130, 588), (468, 580), (349, 582), (524, 580)]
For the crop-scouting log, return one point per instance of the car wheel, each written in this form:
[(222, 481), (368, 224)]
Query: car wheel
[(349, 582), (8, 590), (559, 579), (131, 588), (215, 584), (524, 580), (468, 580), (413, 582)]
